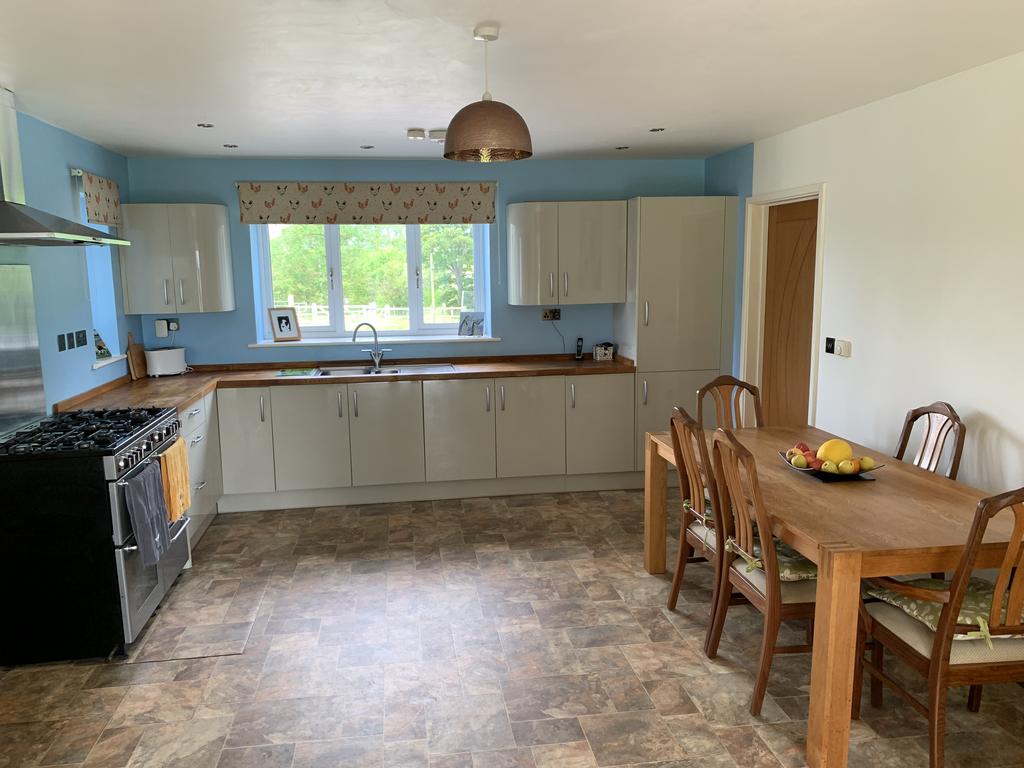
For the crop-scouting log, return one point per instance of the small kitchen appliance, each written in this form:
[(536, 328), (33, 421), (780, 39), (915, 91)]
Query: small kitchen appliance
[(166, 362)]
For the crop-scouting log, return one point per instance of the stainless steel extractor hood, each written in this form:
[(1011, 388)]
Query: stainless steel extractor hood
[(19, 223)]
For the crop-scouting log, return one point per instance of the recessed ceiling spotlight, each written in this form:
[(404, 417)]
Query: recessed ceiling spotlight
[(204, 125), (438, 135), (416, 134), (230, 146), (656, 130), (366, 146), (621, 148)]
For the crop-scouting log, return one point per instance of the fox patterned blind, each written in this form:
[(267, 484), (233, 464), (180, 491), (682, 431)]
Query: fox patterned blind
[(361, 202), (102, 199)]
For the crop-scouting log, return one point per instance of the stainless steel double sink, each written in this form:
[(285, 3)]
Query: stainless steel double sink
[(385, 370)]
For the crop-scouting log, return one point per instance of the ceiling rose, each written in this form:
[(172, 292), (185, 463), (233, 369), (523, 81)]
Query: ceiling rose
[(487, 131)]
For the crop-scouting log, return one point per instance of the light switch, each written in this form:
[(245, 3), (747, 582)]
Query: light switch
[(161, 329), (844, 348)]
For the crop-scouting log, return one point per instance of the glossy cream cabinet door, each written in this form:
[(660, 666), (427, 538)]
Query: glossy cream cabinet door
[(533, 253), (246, 439), (201, 258), (311, 447), (599, 433), (386, 429), (146, 274), (458, 427), (657, 394), (592, 252), (530, 426), (679, 283)]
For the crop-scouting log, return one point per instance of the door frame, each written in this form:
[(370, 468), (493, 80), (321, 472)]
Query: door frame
[(755, 262)]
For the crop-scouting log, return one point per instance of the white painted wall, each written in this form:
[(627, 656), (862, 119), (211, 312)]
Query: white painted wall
[(924, 260)]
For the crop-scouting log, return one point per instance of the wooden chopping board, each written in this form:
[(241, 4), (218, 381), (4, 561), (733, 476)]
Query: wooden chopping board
[(136, 360)]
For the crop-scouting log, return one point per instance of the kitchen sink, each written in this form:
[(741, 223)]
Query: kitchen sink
[(365, 370)]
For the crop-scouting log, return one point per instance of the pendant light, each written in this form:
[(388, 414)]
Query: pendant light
[(487, 131)]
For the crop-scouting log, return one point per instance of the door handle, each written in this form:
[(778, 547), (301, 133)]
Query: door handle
[(167, 294), (196, 440), (341, 408), (193, 412), (501, 391), (199, 487), (355, 404), (565, 284), (551, 284), (263, 413), (487, 399), (645, 391), (572, 394), (647, 313), (181, 289)]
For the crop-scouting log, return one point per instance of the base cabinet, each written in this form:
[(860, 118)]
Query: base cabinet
[(311, 442), (530, 426), (657, 394), (247, 439), (202, 439), (459, 429), (599, 423), (386, 428)]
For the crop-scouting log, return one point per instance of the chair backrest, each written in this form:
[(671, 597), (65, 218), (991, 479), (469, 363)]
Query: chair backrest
[(727, 394), (743, 513), (1009, 585), (693, 463), (941, 422)]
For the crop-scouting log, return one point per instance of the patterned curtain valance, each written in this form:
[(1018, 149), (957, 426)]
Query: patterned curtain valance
[(366, 202), (102, 199)]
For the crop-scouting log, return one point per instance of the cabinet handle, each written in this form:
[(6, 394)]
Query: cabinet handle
[(355, 404), (193, 412), (198, 488), (167, 294), (196, 440), (341, 408), (565, 283), (645, 391), (487, 399), (551, 284), (572, 394), (181, 289), (501, 391), (647, 313), (263, 413)]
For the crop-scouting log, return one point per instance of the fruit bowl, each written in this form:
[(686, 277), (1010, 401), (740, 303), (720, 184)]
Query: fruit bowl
[(833, 461)]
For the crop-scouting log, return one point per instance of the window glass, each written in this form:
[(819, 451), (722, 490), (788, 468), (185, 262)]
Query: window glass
[(375, 276), (298, 272), (448, 272)]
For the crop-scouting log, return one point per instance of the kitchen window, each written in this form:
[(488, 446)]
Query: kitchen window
[(405, 279)]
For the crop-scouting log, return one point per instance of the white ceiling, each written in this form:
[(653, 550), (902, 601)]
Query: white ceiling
[(318, 78)]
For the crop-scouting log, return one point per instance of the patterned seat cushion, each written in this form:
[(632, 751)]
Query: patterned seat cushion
[(792, 565), (705, 535), (791, 591), (973, 611)]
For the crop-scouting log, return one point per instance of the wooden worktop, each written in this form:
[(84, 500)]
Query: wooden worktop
[(180, 391)]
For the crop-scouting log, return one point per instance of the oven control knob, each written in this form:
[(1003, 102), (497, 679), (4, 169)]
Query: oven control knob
[(146, 446), (157, 436), (122, 463)]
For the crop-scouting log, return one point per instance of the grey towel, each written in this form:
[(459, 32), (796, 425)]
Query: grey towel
[(144, 495)]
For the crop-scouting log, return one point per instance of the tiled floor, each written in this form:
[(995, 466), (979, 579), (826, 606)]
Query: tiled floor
[(483, 633)]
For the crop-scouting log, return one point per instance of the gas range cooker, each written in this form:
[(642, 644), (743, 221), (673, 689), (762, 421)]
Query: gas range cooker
[(120, 438)]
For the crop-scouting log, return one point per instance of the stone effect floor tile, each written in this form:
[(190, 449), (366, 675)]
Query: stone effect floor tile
[(505, 632)]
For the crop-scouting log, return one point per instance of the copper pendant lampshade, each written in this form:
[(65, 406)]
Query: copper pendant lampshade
[(487, 131)]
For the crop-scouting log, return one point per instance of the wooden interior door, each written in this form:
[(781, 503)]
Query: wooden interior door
[(788, 313)]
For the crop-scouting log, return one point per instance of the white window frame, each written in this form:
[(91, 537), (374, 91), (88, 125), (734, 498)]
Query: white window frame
[(335, 283)]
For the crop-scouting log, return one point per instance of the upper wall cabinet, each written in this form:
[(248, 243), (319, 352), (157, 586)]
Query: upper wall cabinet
[(567, 252), (179, 260)]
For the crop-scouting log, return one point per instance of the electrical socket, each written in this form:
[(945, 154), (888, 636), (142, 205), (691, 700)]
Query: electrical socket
[(80, 338), (551, 314), (173, 324)]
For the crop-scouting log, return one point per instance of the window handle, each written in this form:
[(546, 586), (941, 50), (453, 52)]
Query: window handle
[(417, 278)]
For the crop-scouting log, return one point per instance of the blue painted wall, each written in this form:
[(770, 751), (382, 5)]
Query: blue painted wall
[(60, 275), (732, 173), (225, 336)]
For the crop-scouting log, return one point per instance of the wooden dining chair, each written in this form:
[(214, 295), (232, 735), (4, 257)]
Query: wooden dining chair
[(941, 422), (778, 582), (727, 394), (967, 631)]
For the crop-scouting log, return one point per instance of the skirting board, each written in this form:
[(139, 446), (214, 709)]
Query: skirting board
[(461, 489)]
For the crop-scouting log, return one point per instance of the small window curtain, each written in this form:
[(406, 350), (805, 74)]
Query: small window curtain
[(341, 202), (102, 199)]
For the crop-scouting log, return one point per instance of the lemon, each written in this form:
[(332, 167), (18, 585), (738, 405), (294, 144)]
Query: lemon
[(835, 450)]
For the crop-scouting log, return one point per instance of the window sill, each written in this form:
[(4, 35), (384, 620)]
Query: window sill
[(107, 361), (334, 341)]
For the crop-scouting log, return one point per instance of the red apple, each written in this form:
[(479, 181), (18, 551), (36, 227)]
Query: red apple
[(802, 447), (815, 463)]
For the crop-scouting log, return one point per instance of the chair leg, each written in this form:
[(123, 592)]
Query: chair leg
[(685, 550), (810, 631), (858, 677), (771, 634), (974, 699), (721, 607), (936, 727), (877, 659)]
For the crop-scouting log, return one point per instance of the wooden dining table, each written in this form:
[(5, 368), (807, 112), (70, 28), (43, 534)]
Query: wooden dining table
[(906, 521)]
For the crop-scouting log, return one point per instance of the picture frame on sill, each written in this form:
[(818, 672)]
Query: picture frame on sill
[(284, 324)]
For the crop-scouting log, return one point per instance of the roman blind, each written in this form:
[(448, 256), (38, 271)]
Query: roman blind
[(366, 202), (102, 199)]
